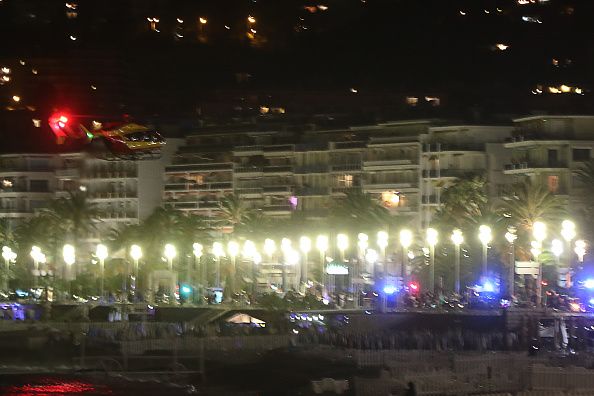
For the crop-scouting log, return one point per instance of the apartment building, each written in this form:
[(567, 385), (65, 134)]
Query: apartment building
[(124, 192), (549, 150)]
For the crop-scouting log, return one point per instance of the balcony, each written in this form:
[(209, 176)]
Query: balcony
[(68, 173), (15, 211), (239, 151), (248, 170), (279, 150), (110, 175), (306, 169), (214, 186), (389, 164), (277, 190), (528, 167), (249, 192), (281, 209), (447, 147), (24, 190), (312, 191), (349, 145), (311, 147), (430, 200), (118, 215), (343, 190), (112, 195), (380, 186), (222, 166), (278, 169), (529, 140), (25, 168), (450, 173), (354, 167), (193, 205)]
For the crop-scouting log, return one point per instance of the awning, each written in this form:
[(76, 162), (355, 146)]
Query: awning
[(242, 318)]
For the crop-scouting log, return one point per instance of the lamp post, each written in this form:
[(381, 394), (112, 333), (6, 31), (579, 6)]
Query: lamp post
[(136, 254), (432, 236), (371, 257), (485, 237), (233, 251), (305, 247), (342, 243), (457, 239), (568, 233), (9, 256), (382, 243), (218, 251), (322, 246), (197, 249), (256, 260), (170, 253), (101, 253), (269, 248), (406, 238), (38, 257), (539, 232), (69, 256), (580, 249), (286, 249), (249, 252), (510, 237)]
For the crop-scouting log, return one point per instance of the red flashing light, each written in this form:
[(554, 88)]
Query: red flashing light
[(413, 286), (63, 119)]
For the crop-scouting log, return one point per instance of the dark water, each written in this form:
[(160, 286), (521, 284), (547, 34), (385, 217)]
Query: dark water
[(56, 385)]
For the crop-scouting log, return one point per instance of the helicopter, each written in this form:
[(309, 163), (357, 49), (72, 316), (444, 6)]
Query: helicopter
[(107, 140)]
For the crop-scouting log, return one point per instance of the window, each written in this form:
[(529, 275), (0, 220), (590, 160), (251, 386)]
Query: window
[(345, 181), (580, 154), (553, 183), (39, 185)]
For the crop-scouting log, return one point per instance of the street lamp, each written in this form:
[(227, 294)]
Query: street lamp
[(170, 253), (568, 233), (269, 248), (305, 246), (557, 248), (580, 249), (432, 236), (286, 249), (256, 260), (218, 251), (362, 244), (406, 238), (233, 251), (485, 237), (342, 243), (69, 255), (322, 246), (510, 237), (9, 256), (101, 254), (198, 249), (136, 254), (539, 231), (457, 239)]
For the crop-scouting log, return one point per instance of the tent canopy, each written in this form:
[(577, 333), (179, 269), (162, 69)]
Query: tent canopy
[(242, 318)]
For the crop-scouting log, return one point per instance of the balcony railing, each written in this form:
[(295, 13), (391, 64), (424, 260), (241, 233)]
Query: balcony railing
[(279, 148), (215, 186), (193, 205), (199, 167), (438, 147), (277, 189), (344, 190), (533, 165), (310, 191), (18, 189), (349, 145), (25, 168), (311, 169), (389, 185), (248, 169), (437, 173), (249, 190), (277, 208), (311, 147), (387, 163), (278, 169), (15, 210), (117, 215), (242, 149), (68, 172), (110, 174), (345, 167), (111, 195)]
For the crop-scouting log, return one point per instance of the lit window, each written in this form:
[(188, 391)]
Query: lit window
[(433, 100), (553, 183), (345, 180), (412, 100), (390, 198)]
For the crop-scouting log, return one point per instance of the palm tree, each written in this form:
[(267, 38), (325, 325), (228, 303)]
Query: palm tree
[(74, 214), (360, 211), (6, 233), (526, 203), (464, 204), (234, 212), (585, 176)]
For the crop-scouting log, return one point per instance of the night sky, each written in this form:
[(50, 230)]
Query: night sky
[(326, 56)]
